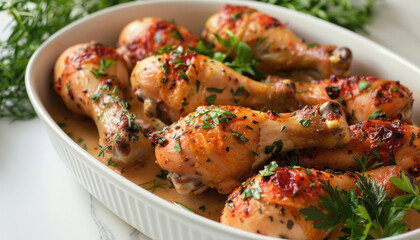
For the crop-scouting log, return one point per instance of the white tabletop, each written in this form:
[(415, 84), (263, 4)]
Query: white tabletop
[(40, 200)]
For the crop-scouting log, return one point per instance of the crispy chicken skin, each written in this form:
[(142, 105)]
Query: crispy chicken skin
[(177, 82), (283, 194), (273, 44), (90, 78), (395, 142), (394, 99), (220, 146), (143, 37)]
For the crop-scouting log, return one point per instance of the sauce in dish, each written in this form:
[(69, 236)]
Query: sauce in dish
[(149, 176)]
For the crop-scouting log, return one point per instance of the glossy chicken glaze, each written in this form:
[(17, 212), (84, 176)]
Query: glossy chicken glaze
[(89, 89), (283, 194), (159, 82), (200, 152), (273, 44), (392, 98), (143, 37), (395, 142)]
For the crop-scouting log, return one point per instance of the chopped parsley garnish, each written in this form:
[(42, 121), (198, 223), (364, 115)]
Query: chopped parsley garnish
[(282, 128), (302, 92), (236, 16), (177, 146), (216, 90), (305, 122), (164, 68), (176, 34), (240, 91), (394, 89), (312, 44), (197, 85), (247, 126), (210, 99), (274, 148), (183, 75), (61, 124), (363, 84), (411, 139), (111, 163), (105, 64), (68, 87), (240, 136), (95, 97), (269, 169), (312, 184), (178, 62), (252, 192), (163, 174), (378, 114), (102, 150), (202, 208)]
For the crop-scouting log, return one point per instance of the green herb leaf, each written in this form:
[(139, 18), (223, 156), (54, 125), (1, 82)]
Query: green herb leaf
[(177, 146), (252, 192), (197, 85), (269, 169), (216, 90), (363, 85), (111, 163), (274, 148), (240, 136), (210, 99), (305, 122), (183, 75), (378, 114)]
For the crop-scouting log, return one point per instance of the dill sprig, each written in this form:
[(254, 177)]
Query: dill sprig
[(32, 23)]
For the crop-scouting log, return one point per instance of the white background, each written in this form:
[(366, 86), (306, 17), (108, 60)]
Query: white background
[(40, 200)]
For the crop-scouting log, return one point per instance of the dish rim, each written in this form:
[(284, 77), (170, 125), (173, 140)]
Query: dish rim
[(134, 189)]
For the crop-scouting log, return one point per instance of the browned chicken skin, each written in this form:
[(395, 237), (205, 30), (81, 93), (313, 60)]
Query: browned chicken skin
[(283, 194), (179, 81), (89, 78), (220, 146), (394, 142), (393, 99), (275, 46), (143, 37)]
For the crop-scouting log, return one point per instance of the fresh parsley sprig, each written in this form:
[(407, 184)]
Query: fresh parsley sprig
[(32, 23), (340, 12), (241, 63), (368, 216)]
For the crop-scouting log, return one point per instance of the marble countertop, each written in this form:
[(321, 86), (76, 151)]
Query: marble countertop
[(40, 200)]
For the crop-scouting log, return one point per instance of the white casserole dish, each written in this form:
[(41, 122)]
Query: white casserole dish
[(143, 210)]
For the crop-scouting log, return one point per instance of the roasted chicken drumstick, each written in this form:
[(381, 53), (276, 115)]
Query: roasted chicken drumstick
[(273, 44), (276, 212), (141, 38), (179, 81), (220, 146), (89, 77), (387, 142), (360, 96)]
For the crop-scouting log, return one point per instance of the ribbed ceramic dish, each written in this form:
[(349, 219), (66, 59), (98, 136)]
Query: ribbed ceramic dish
[(143, 210)]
